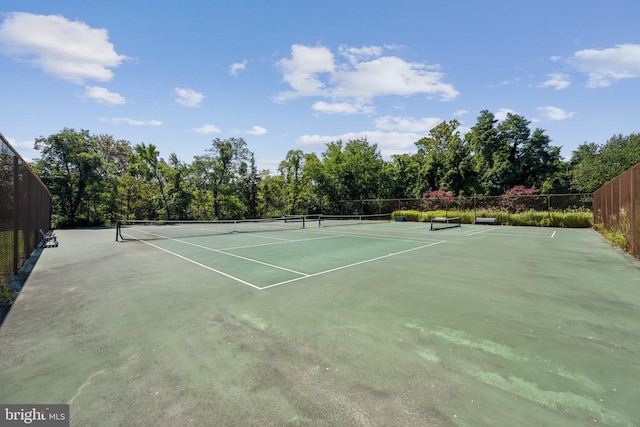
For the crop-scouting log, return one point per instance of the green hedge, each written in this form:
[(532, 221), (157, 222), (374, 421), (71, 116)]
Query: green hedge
[(529, 218)]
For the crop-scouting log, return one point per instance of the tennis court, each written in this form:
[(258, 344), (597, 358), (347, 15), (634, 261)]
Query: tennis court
[(380, 323)]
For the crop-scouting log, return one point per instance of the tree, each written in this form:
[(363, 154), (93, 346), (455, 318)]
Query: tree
[(593, 165), (152, 169), (220, 171), (116, 155), (348, 172), (484, 145), (296, 181), (179, 196), (538, 161), (70, 165)]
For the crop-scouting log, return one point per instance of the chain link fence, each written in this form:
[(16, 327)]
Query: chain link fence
[(25, 207), (616, 207), (538, 202)]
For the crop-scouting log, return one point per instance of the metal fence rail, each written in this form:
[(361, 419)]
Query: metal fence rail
[(616, 205), (25, 207)]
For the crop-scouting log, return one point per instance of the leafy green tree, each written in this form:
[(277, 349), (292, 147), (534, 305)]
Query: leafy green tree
[(70, 164), (247, 183), (179, 195), (115, 159), (403, 172), (348, 172), (593, 165), (272, 195), (538, 160), (220, 170), (484, 144), (296, 181), (154, 170)]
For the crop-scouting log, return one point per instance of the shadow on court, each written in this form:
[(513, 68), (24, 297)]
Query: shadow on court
[(491, 326)]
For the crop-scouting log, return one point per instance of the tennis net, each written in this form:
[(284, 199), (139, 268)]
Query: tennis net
[(439, 223), (169, 229), (340, 220)]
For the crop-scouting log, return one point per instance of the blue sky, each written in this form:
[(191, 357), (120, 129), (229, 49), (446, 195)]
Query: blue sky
[(298, 74)]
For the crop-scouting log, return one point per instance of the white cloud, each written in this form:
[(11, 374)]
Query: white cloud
[(606, 66), (302, 69), (188, 97), (235, 68), (460, 113), (557, 81), (356, 54), (555, 113), (102, 95), (69, 50), (389, 143), (207, 128), (502, 113), (407, 124), (342, 108), (390, 75), (314, 71), (132, 122), (256, 130)]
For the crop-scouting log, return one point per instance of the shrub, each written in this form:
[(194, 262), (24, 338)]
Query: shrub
[(513, 200), (6, 295), (436, 199), (528, 218), (614, 236)]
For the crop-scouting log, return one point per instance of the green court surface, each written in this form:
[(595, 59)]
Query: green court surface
[(370, 325)]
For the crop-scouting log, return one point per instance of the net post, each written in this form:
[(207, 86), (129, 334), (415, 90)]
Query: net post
[(117, 229)]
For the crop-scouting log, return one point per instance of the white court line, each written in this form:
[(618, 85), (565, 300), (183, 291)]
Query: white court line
[(352, 265), (242, 257), (377, 237), (202, 265), (535, 234), (480, 232), (278, 243), (267, 237)]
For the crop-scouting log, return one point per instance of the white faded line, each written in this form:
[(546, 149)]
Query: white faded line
[(480, 232), (352, 265), (202, 265), (241, 257), (378, 237), (279, 243), (554, 233)]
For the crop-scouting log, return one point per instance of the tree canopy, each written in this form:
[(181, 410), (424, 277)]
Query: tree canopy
[(96, 179)]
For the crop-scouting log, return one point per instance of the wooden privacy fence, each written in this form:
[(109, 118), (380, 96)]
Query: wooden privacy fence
[(25, 207), (616, 206)]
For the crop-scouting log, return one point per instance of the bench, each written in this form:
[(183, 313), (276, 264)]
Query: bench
[(493, 221), (47, 237), (399, 218)]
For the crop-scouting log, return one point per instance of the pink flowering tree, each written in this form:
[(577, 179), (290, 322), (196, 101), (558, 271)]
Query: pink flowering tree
[(515, 199), (436, 199)]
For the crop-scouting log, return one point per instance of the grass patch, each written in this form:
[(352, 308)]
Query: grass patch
[(614, 236)]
